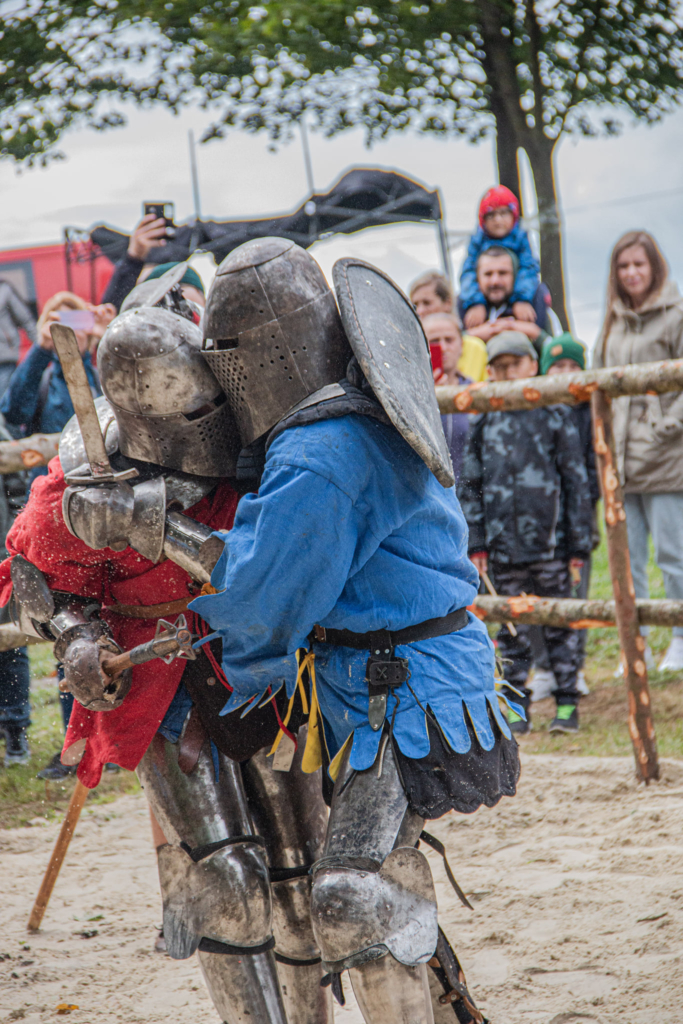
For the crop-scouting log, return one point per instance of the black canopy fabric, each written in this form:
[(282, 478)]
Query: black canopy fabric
[(363, 197)]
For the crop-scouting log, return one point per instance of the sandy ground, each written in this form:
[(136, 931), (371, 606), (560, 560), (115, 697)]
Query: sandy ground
[(577, 886)]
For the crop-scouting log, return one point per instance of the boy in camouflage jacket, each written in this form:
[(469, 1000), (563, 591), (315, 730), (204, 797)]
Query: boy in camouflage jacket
[(525, 494)]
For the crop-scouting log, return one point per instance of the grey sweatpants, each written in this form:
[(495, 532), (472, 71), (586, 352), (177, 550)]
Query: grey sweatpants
[(662, 516)]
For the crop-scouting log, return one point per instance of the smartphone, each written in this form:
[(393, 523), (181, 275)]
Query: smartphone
[(77, 319), (166, 211), (436, 354)]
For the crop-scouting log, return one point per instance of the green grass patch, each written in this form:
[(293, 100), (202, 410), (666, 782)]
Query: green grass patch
[(603, 714), (23, 797)]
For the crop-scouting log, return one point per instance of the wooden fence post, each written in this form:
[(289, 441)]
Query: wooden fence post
[(632, 643)]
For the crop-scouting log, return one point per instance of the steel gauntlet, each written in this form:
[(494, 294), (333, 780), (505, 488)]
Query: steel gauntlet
[(81, 652), (82, 639), (118, 515)]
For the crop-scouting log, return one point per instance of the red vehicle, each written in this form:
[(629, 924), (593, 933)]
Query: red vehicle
[(38, 272)]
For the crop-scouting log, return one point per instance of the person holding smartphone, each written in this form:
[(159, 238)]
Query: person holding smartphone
[(151, 233), (37, 400)]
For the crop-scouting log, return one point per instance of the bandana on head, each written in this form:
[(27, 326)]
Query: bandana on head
[(494, 199)]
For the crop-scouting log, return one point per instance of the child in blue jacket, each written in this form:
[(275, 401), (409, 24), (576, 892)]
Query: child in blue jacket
[(499, 225)]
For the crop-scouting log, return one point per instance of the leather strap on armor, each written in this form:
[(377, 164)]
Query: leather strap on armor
[(191, 742), (150, 611), (426, 630), (383, 670), (225, 949), (200, 852)]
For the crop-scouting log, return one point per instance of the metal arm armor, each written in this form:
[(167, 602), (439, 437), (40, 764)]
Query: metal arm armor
[(120, 515)]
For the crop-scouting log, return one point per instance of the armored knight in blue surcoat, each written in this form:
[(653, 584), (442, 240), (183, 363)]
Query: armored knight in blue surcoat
[(345, 580)]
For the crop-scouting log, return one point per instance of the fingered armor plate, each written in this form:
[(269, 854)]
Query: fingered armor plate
[(169, 407), (359, 913), (390, 345), (225, 897), (272, 332)]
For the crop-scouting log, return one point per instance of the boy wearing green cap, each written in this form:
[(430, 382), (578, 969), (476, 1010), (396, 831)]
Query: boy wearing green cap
[(524, 492), (565, 354)]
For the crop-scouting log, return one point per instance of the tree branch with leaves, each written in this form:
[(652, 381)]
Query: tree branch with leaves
[(527, 70)]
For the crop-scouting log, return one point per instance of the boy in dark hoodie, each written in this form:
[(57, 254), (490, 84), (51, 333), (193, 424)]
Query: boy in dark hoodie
[(524, 492), (499, 226)]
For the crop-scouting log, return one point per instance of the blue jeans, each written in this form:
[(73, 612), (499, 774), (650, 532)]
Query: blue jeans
[(14, 688), (660, 515)]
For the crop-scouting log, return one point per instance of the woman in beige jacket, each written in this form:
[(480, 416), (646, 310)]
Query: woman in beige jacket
[(643, 324)]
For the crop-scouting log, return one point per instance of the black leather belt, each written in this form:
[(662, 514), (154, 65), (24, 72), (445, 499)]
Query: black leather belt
[(383, 670)]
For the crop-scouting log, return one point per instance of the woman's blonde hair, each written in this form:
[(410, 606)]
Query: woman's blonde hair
[(67, 299), (658, 266)]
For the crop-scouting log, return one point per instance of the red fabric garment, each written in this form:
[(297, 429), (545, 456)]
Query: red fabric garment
[(494, 199), (124, 577)]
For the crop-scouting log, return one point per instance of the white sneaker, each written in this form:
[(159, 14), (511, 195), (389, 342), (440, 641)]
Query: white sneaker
[(673, 659), (542, 684), (581, 684), (649, 661)]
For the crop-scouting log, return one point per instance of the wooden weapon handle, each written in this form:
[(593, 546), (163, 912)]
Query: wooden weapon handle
[(117, 663), (73, 813), (492, 591)]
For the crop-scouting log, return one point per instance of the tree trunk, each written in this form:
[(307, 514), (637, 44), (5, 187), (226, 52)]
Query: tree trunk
[(571, 613), (541, 152), (28, 452), (507, 145), (499, 64), (632, 643), (565, 388)]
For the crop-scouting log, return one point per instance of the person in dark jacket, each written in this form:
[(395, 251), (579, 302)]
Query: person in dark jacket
[(14, 315), (524, 492), (149, 234), (565, 354), (15, 707), (38, 400)]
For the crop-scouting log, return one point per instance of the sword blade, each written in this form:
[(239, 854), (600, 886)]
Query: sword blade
[(76, 378)]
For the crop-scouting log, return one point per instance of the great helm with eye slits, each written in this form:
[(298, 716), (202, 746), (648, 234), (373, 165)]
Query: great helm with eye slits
[(272, 332), (168, 405)]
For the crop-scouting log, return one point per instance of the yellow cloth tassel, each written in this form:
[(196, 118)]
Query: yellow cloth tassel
[(313, 754), (337, 760), (303, 664)]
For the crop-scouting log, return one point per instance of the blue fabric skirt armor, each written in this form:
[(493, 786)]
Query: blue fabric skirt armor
[(350, 530)]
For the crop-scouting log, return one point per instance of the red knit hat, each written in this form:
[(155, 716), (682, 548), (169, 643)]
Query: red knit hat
[(494, 199)]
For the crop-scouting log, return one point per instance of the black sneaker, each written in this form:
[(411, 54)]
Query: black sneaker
[(566, 719), (54, 771), (16, 750), (519, 725)]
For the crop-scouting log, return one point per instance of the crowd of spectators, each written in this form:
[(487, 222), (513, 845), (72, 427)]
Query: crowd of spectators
[(527, 480)]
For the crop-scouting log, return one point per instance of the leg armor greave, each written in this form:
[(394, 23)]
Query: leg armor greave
[(214, 881), (289, 812), (373, 900)]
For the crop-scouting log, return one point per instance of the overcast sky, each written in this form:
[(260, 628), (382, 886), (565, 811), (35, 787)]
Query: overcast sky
[(106, 177)]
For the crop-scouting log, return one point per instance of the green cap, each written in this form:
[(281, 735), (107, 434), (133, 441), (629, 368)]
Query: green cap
[(510, 343), (190, 276), (562, 347)]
